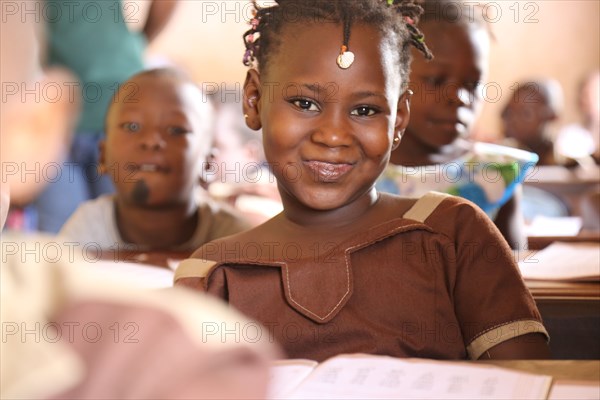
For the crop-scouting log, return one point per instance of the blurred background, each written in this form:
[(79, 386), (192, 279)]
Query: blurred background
[(554, 40), (557, 39)]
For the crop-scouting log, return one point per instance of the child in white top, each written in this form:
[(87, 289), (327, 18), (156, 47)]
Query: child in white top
[(158, 142)]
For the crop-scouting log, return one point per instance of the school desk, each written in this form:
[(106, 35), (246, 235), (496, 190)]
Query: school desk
[(569, 186), (570, 309), (540, 242)]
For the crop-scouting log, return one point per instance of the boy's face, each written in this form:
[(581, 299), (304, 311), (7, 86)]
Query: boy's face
[(447, 89), (156, 141), (327, 132), (525, 115)]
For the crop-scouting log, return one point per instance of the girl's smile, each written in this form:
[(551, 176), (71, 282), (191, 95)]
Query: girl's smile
[(328, 132), (328, 172)]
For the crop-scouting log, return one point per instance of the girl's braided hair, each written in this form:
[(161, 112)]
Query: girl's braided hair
[(393, 18)]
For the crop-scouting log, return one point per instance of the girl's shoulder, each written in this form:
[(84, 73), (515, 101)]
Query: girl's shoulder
[(422, 207), (438, 210)]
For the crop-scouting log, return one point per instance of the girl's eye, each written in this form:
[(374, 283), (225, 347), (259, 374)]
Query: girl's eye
[(305, 105), (435, 81), (363, 111), (131, 126), (177, 130), (472, 86)]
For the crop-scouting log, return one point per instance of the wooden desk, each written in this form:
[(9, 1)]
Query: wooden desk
[(555, 174), (583, 374), (540, 242), (571, 314), (572, 320), (568, 185), (581, 370)]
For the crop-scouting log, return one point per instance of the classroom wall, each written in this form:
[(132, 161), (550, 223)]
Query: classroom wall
[(548, 38)]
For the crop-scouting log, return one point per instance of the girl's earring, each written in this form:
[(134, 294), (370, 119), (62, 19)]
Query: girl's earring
[(396, 141)]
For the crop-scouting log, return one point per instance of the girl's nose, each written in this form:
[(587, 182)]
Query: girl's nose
[(333, 131), (458, 94)]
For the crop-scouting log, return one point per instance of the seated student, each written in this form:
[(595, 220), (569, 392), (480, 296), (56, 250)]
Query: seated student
[(528, 115), (345, 268), (435, 152), (581, 141), (67, 334), (158, 142)]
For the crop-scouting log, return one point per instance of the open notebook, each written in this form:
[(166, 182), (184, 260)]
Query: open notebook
[(362, 376), (563, 261)]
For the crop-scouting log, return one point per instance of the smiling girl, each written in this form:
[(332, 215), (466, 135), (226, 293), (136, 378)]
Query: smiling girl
[(345, 268)]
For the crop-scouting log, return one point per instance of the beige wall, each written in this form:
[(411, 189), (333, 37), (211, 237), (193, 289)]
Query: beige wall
[(564, 44), (547, 38)]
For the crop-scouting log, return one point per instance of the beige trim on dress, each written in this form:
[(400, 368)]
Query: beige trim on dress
[(502, 333), (425, 206), (193, 268)]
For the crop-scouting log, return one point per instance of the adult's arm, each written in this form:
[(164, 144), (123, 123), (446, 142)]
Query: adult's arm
[(159, 15)]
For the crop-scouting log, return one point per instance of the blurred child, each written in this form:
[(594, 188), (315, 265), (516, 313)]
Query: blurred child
[(159, 137), (527, 117), (435, 152), (345, 268), (102, 43), (143, 344), (242, 177), (581, 141)]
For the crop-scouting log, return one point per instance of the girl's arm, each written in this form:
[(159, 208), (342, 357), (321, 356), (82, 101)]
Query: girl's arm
[(510, 221), (532, 346)]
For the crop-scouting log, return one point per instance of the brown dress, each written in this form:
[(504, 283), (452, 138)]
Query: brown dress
[(436, 281)]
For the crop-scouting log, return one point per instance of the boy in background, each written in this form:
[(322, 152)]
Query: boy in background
[(102, 43), (159, 139), (527, 117)]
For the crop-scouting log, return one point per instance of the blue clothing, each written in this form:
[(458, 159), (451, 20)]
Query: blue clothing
[(79, 181), (91, 39), (487, 175)]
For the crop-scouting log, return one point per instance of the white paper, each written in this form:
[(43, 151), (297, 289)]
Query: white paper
[(572, 391), (286, 375), (554, 226), (381, 377), (563, 261), (140, 275)]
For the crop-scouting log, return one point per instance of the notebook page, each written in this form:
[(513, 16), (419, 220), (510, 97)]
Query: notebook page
[(286, 375), (563, 261), (380, 377), (554, 226), (569, 390)]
